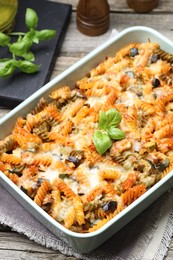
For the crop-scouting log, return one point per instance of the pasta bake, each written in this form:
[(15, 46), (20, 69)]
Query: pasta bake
[(52, 155)]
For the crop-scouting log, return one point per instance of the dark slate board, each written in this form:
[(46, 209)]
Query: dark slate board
[(51, 16)]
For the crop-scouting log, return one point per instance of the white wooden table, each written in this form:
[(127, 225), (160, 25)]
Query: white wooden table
[(75, 46)]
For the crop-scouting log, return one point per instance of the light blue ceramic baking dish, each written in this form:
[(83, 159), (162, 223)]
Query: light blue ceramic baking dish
[(87, 242)]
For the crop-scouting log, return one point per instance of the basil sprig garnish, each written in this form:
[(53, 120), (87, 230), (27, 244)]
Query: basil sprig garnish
[(22, 57), (108, 123)]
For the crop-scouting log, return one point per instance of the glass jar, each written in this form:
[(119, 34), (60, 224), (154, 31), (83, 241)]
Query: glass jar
[(8, 11)]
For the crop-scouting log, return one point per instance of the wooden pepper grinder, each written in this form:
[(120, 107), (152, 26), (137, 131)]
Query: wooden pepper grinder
[(93, 17), (142, 6)]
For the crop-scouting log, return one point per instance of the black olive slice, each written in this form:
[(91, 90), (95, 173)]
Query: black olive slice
[(110, 206), (23, 189), (76, 157), (17, 170), (156, 83), (161, 167), (154, 58), (133, 52), (74, 160), (151, 164)]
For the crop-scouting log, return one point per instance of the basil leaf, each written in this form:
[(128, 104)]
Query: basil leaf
[(6, 68), (29, 35), (102, 120), (4, 39), (19, 38), (5, 59), (31, 18), (113, 117), (20, 47), (45, 34), (36, 40), (102, 142), (115, 133), (29, 56), (27, 66)]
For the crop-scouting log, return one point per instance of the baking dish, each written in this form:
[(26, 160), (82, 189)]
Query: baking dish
[(87, 242)]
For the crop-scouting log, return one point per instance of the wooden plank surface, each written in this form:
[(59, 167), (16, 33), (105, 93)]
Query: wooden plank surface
[(75, 46)]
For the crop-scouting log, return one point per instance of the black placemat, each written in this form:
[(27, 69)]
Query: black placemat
[(51, 15)]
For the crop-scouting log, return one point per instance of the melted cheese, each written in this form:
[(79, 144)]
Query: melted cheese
[(64, 150)]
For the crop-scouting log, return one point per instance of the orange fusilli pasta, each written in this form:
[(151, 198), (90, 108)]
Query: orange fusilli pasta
[(50, 154)]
